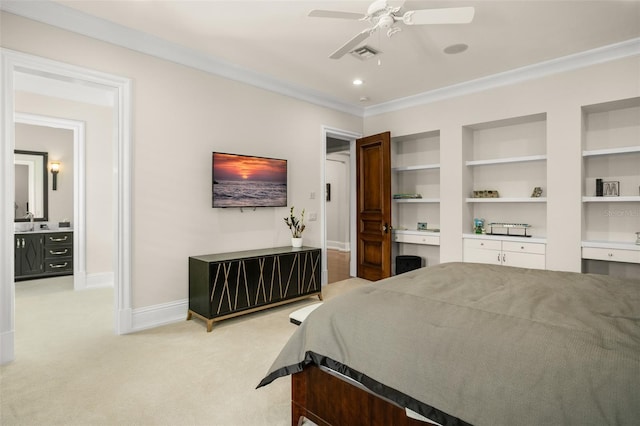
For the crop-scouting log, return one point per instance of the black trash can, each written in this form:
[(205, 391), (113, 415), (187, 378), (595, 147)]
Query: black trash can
[(407, 263)]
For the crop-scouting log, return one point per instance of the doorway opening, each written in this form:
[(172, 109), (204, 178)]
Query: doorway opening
[(14, 63), (338, 209)]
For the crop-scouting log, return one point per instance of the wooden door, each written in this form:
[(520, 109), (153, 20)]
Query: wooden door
[(373, 182)]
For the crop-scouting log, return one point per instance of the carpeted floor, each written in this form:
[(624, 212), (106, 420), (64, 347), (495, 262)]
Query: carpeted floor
[(70, 368)]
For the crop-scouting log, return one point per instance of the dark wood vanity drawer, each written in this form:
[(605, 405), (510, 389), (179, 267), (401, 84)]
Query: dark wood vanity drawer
[(55, 252), (58, 238), (57, 266)]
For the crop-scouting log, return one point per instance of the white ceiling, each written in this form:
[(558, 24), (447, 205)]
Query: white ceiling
[(277, 39)]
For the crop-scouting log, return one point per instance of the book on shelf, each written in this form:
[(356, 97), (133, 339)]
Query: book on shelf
[(406, 196)]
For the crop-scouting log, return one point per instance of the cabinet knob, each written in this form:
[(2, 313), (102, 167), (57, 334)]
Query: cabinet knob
[(610, 254), (521, 247), (481, 244)]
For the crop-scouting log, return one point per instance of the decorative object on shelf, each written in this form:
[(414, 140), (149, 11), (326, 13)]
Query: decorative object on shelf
[(422, 226), (478, 226), (611, 189), (486, 193), (296, 226), (598, 187), (638, 238), (406, 196), (508, 227), (537, 192)]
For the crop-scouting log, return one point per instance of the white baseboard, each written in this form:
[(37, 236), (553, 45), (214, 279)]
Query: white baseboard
[(157, 315), (99, 280), (7, 350), (338, 245)]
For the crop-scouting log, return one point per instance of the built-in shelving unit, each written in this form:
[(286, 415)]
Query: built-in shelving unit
[(611, 132), (415, 170), (508, 156)]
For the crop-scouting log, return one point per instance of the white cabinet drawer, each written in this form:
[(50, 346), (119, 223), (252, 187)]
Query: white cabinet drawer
[(417, 239), (492, 257), (472, 243), (523, 260), (612, 255), (523, 247)]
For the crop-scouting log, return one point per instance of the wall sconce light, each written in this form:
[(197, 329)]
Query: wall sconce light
[(55, 168)]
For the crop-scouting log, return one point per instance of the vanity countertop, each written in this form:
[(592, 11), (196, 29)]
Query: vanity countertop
[(42, 231)]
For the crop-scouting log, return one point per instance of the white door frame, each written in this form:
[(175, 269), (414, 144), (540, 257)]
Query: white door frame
[(13, 61), (351, 137)]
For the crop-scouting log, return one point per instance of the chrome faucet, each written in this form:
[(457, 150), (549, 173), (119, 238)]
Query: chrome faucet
[(30, 216)]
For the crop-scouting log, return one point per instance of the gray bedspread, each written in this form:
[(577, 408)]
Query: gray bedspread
[(488, 345)]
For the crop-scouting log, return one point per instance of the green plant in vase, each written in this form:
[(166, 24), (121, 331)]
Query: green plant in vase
[(296, 225)]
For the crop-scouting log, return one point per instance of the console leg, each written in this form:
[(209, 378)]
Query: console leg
[(189, 315), (320, 296)]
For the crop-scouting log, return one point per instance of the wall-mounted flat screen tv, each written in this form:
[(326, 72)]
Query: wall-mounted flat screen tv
[(248, 181)]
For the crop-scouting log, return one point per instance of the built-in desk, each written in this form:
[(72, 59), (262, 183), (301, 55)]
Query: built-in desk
[(226, 285)]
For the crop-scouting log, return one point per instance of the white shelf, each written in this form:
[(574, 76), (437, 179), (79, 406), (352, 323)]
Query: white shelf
[(416, 200), (627, 199), (417, 167), (528, 158), (611, 151), (616, 245), (415, 232), (508, 200), (513, 238)]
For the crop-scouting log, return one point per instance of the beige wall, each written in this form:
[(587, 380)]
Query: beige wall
[(181, 115), (561, 97)]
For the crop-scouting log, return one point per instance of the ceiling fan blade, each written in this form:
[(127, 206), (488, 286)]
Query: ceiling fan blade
[(351, 44), (451, 15), (316, 13)]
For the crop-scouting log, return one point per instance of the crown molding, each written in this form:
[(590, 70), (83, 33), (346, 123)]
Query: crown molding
[(72, 20), (79, 22), (531, 72)]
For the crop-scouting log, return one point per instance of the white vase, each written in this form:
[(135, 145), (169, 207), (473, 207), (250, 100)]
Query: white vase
[(296, 242)]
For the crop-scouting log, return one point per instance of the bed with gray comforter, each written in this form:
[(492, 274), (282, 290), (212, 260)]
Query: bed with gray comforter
[(486, 345)]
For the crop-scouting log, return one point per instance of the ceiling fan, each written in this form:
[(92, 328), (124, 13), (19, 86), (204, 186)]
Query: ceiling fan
[(384, 17)]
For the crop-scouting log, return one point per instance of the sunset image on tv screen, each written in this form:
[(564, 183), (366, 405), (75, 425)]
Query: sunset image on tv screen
[(248, 181)]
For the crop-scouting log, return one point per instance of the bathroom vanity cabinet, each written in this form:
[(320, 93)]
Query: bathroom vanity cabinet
[(43, 254)]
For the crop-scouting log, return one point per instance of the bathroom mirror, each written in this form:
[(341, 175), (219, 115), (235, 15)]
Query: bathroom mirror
[(31, 185)]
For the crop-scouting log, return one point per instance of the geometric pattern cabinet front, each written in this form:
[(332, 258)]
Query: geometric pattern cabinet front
[(230, 284)]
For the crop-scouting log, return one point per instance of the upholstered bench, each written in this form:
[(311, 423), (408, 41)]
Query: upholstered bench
[(296, 317)]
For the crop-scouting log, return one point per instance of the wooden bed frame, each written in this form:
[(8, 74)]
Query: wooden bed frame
[(328, 400)]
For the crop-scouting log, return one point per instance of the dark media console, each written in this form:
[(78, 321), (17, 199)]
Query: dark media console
[(226, 285)]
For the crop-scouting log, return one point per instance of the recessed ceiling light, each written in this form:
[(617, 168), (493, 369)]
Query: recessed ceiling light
[(456, 48), (358, 82)]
